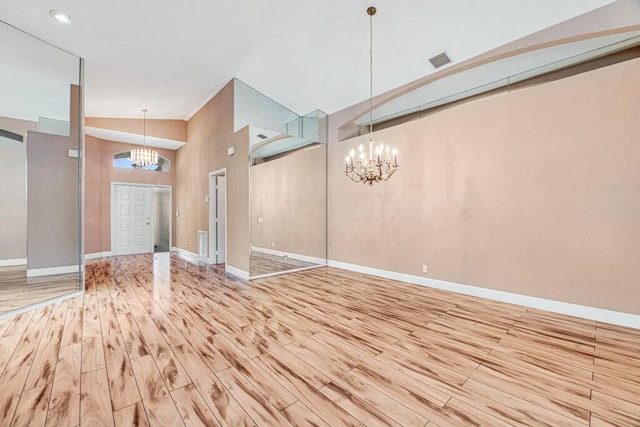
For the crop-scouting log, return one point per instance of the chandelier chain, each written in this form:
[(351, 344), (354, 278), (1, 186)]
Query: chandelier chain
[(381, 162), (144, 127), (143, 157), (370, 74)]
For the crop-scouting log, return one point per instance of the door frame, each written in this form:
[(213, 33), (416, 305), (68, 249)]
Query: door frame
[(212, 205), (151, 187)]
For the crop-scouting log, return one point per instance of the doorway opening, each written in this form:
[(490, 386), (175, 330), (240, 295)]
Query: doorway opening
[(218, 216), (140, 218), (161, 219)]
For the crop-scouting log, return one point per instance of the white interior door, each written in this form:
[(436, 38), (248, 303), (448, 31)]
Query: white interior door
[(131, 220), (221, 220)]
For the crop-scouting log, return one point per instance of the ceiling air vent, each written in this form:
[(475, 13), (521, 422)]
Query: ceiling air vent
[(262, 136), (440, 60)]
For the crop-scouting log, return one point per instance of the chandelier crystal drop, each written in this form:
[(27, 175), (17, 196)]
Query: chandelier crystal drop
[(143, 157), (381, 161)]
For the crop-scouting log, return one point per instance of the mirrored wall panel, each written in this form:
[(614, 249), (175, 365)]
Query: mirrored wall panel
[(289, 196), (40, 165)]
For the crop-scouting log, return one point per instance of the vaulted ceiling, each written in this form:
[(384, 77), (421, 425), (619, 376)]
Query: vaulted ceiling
[(171, 57)]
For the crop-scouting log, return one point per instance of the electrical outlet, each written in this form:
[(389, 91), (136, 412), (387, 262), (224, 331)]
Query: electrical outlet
[(273, 245), (425, 269)]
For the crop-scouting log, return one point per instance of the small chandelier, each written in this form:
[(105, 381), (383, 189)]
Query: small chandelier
[(378, 165), (143, 157)]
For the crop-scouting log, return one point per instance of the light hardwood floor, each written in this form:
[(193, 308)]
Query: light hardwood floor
[(17, 291), (261, 263), (167, 343)]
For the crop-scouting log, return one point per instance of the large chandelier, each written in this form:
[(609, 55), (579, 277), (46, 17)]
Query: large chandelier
[(143, 157), (377, 165)]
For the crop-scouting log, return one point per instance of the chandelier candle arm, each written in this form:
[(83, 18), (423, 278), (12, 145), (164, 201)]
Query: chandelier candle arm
[(377, 167)]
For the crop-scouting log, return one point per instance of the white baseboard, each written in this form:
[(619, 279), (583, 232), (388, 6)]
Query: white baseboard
[(279, 273), (185, 254), (299, 257), (585, 312), (97, 255), (12, 262), (55, 300), (39, 272), (244, 275)]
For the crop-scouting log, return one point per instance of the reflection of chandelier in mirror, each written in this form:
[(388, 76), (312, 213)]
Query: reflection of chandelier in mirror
[(143, 157), (378, 165)]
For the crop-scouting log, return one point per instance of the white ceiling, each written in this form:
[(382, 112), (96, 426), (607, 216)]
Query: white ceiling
[(304, 54)]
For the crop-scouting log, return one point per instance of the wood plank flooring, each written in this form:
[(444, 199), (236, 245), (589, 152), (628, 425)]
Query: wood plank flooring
[(17, 291), (261, 263), (158, 342)]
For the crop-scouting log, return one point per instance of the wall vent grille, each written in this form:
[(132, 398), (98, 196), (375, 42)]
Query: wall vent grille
[(203, 244)]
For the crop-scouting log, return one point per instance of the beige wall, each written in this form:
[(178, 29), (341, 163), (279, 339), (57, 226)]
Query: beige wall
[(13, 203), (238, 229), (53, 198), (534, 192), (52, 201), (100, 173), (16, 125), (169, 129), (210, 132), (13, 198), (289, 193)]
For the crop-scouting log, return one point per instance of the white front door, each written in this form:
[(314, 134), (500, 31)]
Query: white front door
[(221, 220), (131, 219)]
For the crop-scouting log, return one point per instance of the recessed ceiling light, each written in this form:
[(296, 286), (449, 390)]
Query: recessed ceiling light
[(60, 16)]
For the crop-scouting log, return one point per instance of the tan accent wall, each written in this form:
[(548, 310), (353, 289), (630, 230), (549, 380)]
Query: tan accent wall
[(169, 129), (210, 133), (99, 175), (534, 192), (289, 194)]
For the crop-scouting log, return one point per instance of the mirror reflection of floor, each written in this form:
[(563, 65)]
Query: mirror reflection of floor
[(17, 291), (261, 263)]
